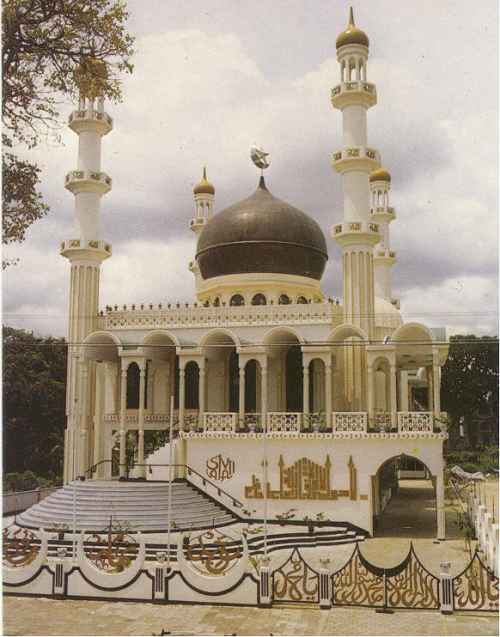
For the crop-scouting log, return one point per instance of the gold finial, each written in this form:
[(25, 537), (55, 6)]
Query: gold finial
[(204, 173), (204, 186), (351, 18)]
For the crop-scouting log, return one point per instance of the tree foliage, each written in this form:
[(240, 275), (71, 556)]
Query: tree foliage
[(34, 388), (49, 48), (470, 378)]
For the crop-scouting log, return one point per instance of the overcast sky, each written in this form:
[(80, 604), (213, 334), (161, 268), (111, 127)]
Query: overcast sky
[(213, 77)]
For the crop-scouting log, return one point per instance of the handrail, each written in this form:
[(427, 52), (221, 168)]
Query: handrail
[(93, 467), (190, 470)]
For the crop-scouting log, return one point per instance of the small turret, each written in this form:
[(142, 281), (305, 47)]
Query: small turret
[(382, 214), (204, 193)]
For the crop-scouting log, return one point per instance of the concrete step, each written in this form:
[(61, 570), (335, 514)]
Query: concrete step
[(142, 504)]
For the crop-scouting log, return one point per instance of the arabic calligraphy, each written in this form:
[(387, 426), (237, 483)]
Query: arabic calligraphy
[(296, 581), (213, 553), (219, 468), (303, 480), (113, 552), (19, 548)]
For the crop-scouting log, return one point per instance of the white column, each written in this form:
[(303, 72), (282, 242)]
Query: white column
[(84, 412), (142, 395), (440, 510), (394, 397), (436, 383), (123, 415), (328, 393), (371, 393), (242, 397), (305, 389), (182, 393), (98, 418), (263, 395), (430, 389), (201, 391)]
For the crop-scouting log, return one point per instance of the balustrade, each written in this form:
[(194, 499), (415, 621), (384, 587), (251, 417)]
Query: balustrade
[(350, 422), (415, 422), (288, 422), (219, 421)]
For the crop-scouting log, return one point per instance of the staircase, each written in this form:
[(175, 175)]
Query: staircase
[(142, 505)]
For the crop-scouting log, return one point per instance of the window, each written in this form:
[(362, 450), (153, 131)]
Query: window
[(236, 300), (284, 300), (302, 300), (259, 299), (133, 380), (216, 302)]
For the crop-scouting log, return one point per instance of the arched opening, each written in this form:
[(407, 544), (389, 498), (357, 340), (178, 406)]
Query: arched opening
[(316, 386), (234, 382), (284, 300), (216, 302), (222, 371), (259, 299), (192, 385), (349, 343), (294, 379), (302, 300), (252, 386), (133, 389), (404, 499), (237, 300)]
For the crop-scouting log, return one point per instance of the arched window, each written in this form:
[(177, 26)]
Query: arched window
[(259, 299), (216, 302), (192, 385), (284, 300), (133, 380), (237, 299), (302, 300)]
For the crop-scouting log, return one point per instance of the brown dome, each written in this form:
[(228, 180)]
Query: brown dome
[(381, 174), (352, 35), (262, 234), (204, 186)]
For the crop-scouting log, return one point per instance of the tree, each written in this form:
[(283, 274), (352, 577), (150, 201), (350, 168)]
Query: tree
[(470, 379), (34, 388), (50, 48)]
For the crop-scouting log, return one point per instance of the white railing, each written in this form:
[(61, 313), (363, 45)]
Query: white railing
[(415, 422), (219, 421), (227, 316), (283, 421), (350, 421), (382, 420), (252, 421)]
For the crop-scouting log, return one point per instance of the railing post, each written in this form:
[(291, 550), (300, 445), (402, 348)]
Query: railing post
[(325, 581), (59, 563), (265, 583), (445, 589)]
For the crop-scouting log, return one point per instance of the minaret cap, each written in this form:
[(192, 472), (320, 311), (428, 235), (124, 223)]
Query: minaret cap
[(352, 35), (204, 187), (381, 174)]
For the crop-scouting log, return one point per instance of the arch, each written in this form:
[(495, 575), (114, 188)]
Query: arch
[(412, 332), (301, 300), (133, 381), (192, 383), (152, 337), (101, 346), (219, 336), (216, 302), (237, 300), (294, 379), (281, 335), (259, 299), (284, 299), (252, 385), (346, 330)]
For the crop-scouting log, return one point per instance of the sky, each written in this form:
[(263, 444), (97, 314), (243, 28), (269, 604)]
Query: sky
[(212, 78)]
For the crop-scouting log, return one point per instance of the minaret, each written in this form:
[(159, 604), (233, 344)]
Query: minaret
[(85, 251), (357, 234), (204, 193), (382, 214)]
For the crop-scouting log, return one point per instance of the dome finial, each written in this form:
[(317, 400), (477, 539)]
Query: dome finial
[(351, 18), (205, 173), (204, 187)]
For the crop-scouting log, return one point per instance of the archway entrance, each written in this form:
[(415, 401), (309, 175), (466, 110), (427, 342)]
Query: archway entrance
[(404, 499), (294, 379)]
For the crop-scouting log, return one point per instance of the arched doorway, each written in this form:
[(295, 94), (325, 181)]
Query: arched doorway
[(252, 386), (294, 379), (404, 499)]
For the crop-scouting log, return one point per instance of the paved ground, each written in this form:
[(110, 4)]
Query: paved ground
[(410, 515)]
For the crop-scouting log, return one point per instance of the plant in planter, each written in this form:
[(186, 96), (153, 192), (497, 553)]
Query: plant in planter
[(287, 515)]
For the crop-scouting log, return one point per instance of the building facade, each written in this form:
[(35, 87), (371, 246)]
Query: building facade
[(292, 402)]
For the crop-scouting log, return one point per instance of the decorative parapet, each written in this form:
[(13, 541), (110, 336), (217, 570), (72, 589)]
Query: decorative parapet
[(219, 421), (357, 92), (90, 118), (355, 231), (284, 422), (415, 421), (87, 181), (356, 158), (176, 317), (350, 422), (340, 435)]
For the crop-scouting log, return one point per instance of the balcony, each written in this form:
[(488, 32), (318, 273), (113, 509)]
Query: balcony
[(290, 424), (356, 158), (87, 181), (90, 119), (357, 92), (354, 231)]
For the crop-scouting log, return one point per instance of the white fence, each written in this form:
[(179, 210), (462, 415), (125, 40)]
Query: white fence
[(486, 529), (21, 500)]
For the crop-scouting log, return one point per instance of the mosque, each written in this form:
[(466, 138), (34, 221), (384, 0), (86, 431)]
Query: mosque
[(293, 405)]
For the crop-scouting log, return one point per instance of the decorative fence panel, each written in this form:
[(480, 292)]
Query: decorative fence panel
[(350, 421), (295, 581), (358, 583), (283, 421), (415, 421), (476, 588), (214, 421), (411, 585)]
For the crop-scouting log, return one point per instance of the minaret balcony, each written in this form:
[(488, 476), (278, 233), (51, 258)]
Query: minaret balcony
[(87, 181), (359, 158), (90, 119), (354, 93), (80, 248), (197, 224), (383, 213), (352, 232), (384, 255)]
